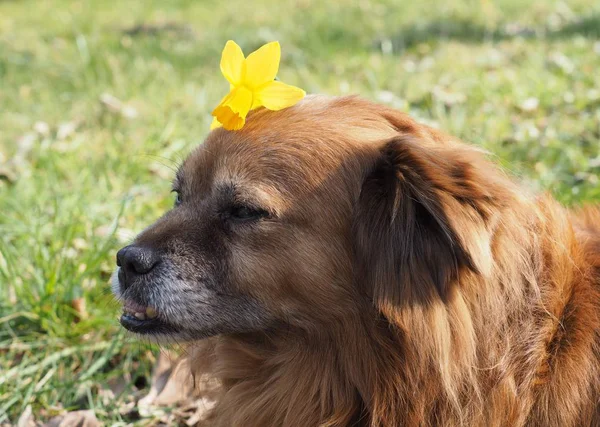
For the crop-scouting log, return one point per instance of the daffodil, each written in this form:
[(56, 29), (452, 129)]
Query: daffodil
[(252, 85)]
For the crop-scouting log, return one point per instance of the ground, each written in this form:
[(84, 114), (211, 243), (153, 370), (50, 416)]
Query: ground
[(100, 100)]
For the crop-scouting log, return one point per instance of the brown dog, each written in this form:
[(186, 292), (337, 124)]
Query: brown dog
[(337, 263)]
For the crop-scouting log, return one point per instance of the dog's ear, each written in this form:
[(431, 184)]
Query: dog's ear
[(405, 245)]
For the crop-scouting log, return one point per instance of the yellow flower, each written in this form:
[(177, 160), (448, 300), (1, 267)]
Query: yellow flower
[(252, 85)]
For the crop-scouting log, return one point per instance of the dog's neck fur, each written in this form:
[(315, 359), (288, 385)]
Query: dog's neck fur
[(286, 375)]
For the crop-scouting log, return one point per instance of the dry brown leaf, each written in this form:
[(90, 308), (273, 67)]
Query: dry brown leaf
[(8, 174), (173, 385), (26, 419), (78, 304), (172, 382), (11, 169), (116, 106), (65, 130), (42, 128), (85, 418)]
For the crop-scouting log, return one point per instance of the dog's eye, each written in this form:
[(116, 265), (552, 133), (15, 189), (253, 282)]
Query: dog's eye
[(178, 199), (242, 213)]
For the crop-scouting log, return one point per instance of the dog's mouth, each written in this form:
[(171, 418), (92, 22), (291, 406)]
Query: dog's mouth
[(143, 319)]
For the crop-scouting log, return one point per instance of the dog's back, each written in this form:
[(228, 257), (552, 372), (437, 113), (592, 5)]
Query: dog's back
[(565, 390)]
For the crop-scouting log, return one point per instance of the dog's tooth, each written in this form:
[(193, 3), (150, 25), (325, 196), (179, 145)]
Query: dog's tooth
[(140, 316), (150, 312)]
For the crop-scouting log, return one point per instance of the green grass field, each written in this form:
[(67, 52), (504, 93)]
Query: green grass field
[(99, 101)]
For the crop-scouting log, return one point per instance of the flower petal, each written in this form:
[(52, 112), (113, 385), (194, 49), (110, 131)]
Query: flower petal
[(262, 65), (230, 119), (276, 96), (233, 109), (215, 124), (232, 62)]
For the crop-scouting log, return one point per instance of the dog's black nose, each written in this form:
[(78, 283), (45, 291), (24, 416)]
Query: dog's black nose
[(137, 259)]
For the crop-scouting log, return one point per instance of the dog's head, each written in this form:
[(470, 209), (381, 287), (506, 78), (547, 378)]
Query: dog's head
[(333, 207)]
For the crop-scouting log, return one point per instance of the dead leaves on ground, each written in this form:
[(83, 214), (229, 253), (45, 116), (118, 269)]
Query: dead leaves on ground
[(174, 387), (85, 418), (175, 397)]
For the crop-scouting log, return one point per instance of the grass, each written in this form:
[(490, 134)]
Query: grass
[(80, 174)]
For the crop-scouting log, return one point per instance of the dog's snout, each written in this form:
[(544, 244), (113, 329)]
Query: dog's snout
[(137, 260)]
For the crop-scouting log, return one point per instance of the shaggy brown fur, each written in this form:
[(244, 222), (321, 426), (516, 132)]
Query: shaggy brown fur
[(412, 283)]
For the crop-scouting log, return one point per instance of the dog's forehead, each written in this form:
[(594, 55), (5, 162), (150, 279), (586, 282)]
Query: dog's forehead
[(292, 150), (274, 164)]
